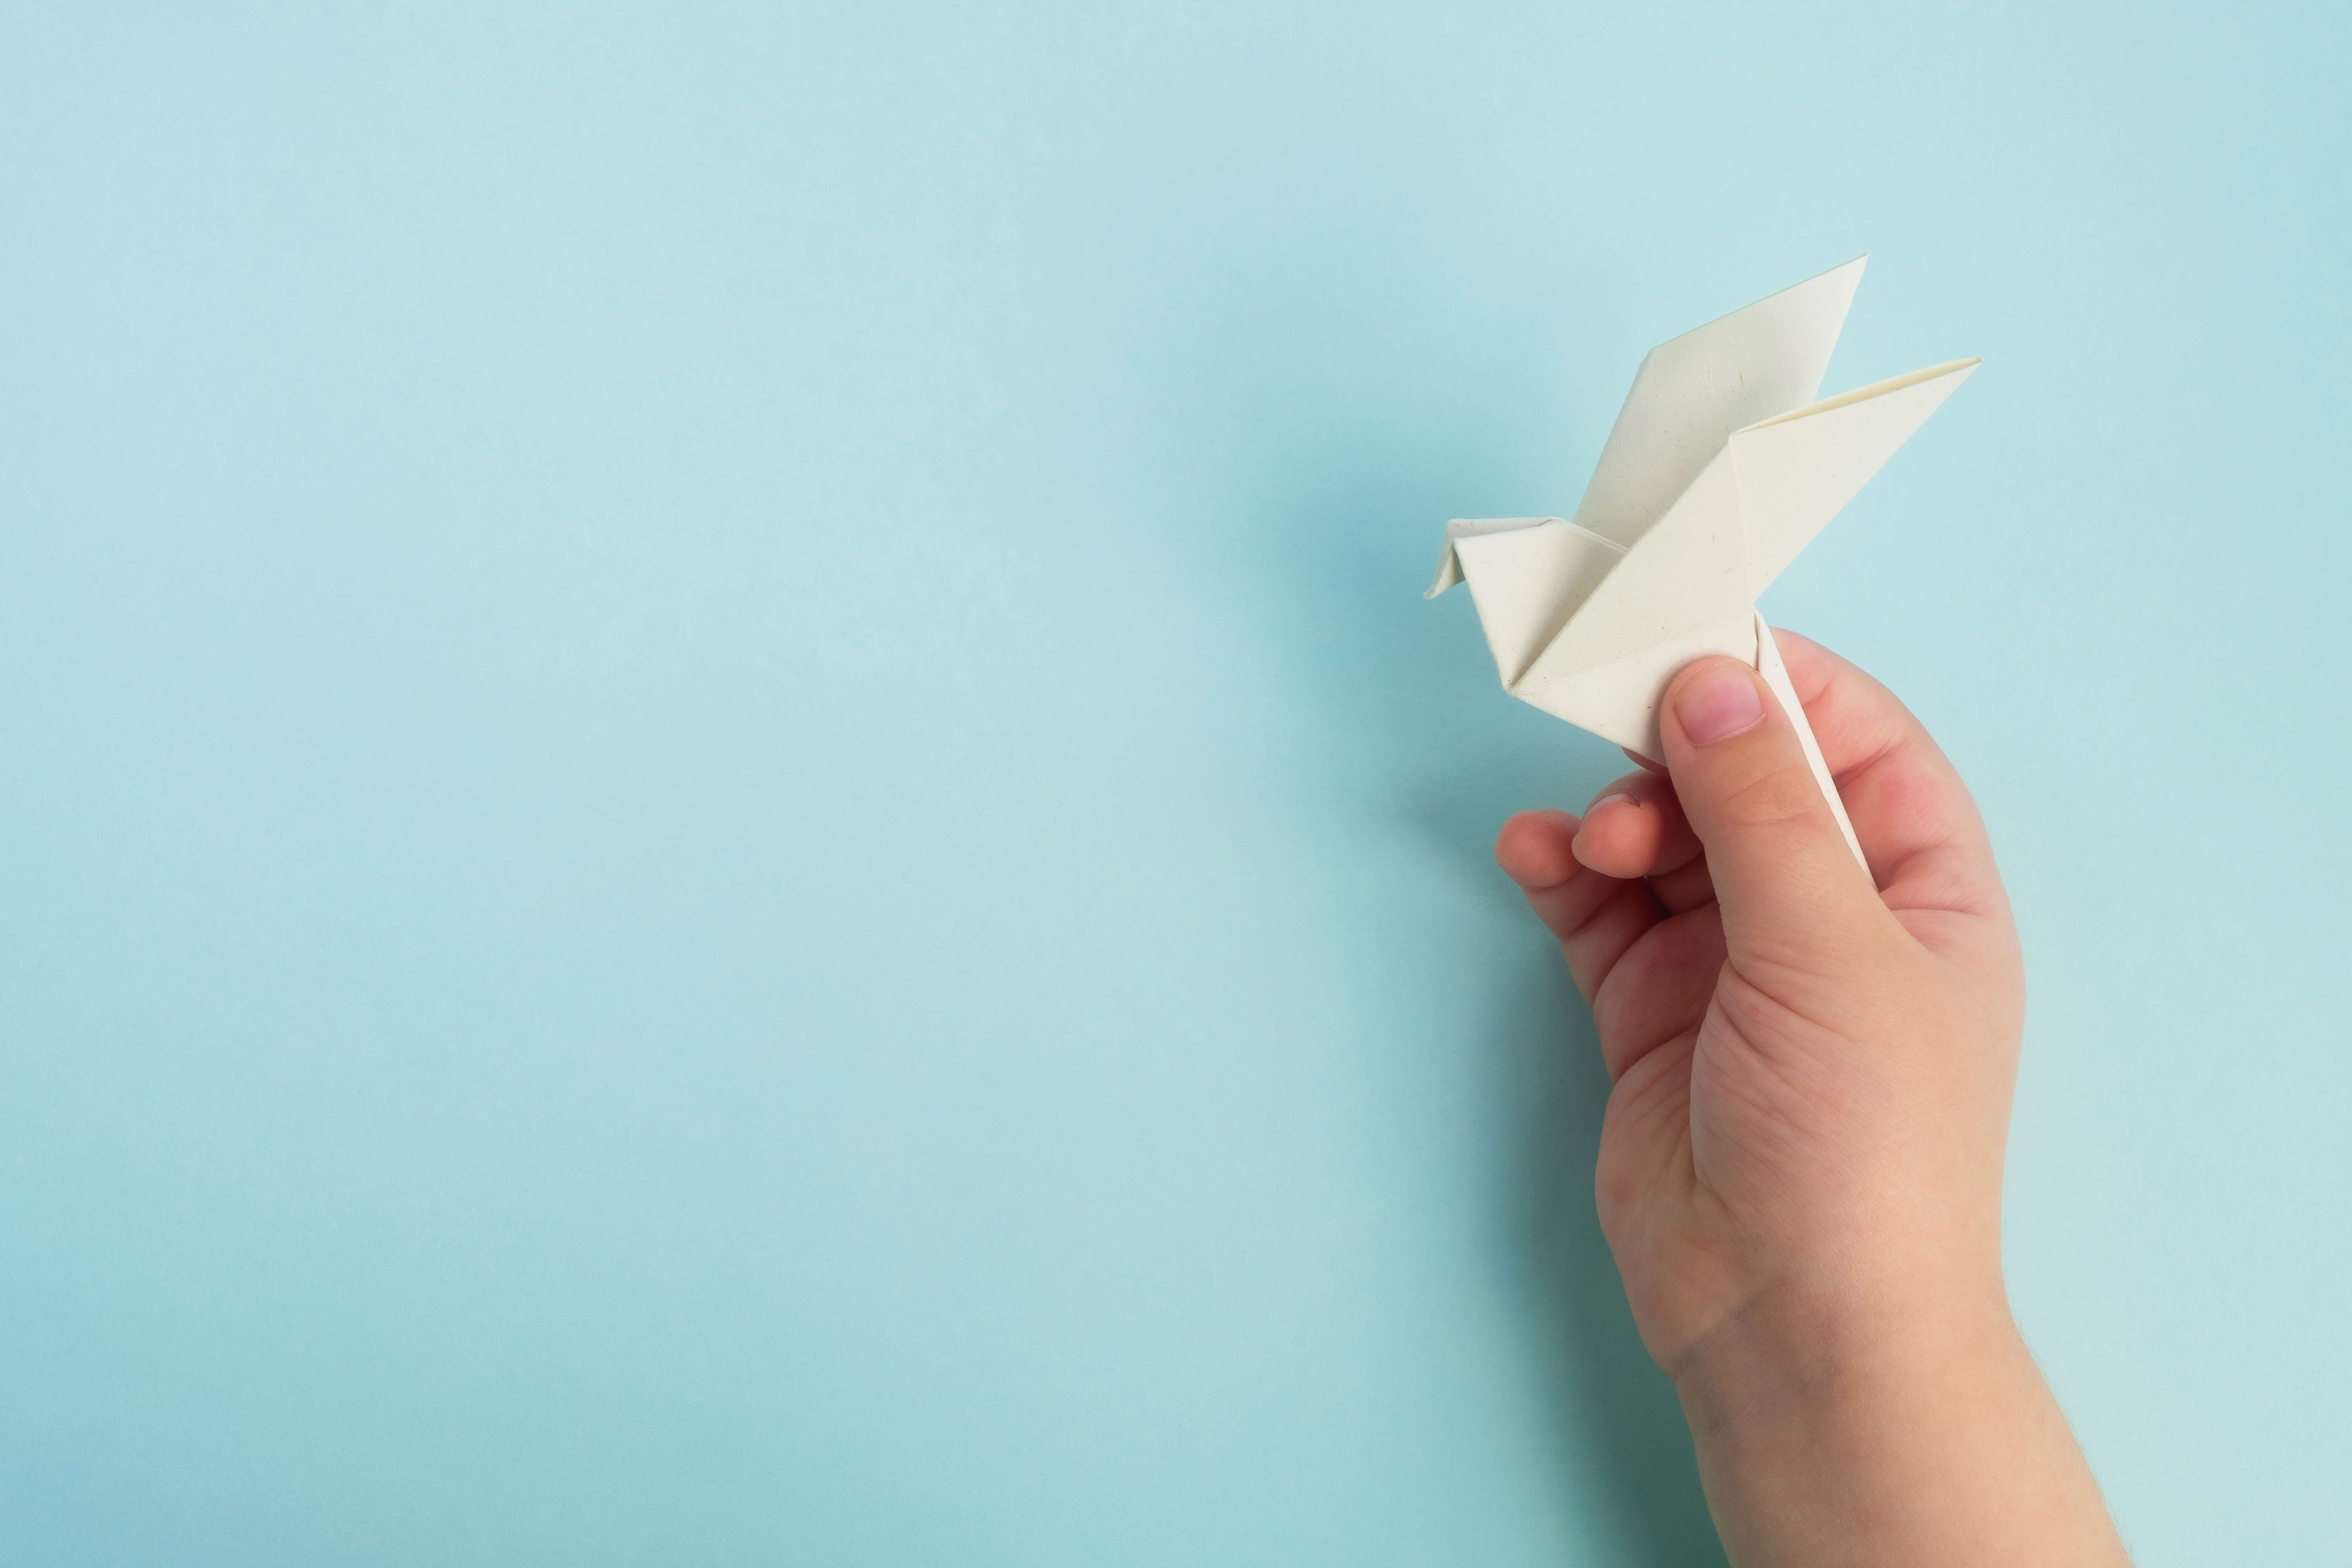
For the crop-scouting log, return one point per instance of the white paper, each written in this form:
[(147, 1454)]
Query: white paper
[(1724, 463)]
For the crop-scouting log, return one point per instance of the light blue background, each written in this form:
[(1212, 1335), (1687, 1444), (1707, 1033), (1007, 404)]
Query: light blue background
[(729, 833)]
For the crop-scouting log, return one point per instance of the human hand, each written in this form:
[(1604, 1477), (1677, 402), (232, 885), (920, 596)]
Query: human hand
[(1801, 1163)]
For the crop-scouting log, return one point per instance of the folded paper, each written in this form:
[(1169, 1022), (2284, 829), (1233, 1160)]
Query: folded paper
[(1721, 467)]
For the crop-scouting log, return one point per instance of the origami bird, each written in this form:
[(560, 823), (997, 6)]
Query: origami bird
[(1721, 468)]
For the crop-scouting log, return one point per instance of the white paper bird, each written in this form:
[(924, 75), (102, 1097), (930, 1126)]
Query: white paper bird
[(1721, 468)]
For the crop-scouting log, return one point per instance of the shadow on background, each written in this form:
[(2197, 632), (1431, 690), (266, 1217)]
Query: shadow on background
[(1456, 758), (1604, 1381), (1608, 1400), (1351, 425)]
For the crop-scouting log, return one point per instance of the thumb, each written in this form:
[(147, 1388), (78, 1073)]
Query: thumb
[(1790, 889)]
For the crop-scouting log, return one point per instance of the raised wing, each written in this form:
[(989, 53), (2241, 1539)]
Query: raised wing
[(1797, 472), (1692, 392), (1768, 490)]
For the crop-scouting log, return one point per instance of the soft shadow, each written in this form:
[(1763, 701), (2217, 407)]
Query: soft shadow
[(1604, 1383), (1608, 1399), (1355, 421)]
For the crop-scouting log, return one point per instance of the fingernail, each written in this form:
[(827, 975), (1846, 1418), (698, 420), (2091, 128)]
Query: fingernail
[(1615, 797), (1717, 705)]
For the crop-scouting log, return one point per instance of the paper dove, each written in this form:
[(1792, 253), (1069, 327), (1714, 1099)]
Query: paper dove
[(1721, 468)]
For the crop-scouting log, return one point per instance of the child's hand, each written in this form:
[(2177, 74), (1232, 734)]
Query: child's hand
[(1801, 1164)]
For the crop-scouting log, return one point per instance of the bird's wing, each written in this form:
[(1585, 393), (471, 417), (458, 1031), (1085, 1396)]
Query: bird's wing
[(1692, 392), (1769, 489), (1796, 471)]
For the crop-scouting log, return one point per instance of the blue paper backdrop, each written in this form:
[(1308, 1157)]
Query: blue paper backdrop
[(728, 832)]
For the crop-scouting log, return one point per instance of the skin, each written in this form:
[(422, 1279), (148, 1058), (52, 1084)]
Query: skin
[(1801, 1163)]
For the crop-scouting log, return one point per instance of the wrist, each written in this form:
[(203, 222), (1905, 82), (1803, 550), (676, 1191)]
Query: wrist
[(1799, 1355), (1817, 1416), (1911, 1425)]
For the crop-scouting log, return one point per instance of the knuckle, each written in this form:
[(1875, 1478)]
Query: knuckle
[(1779, 796)]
